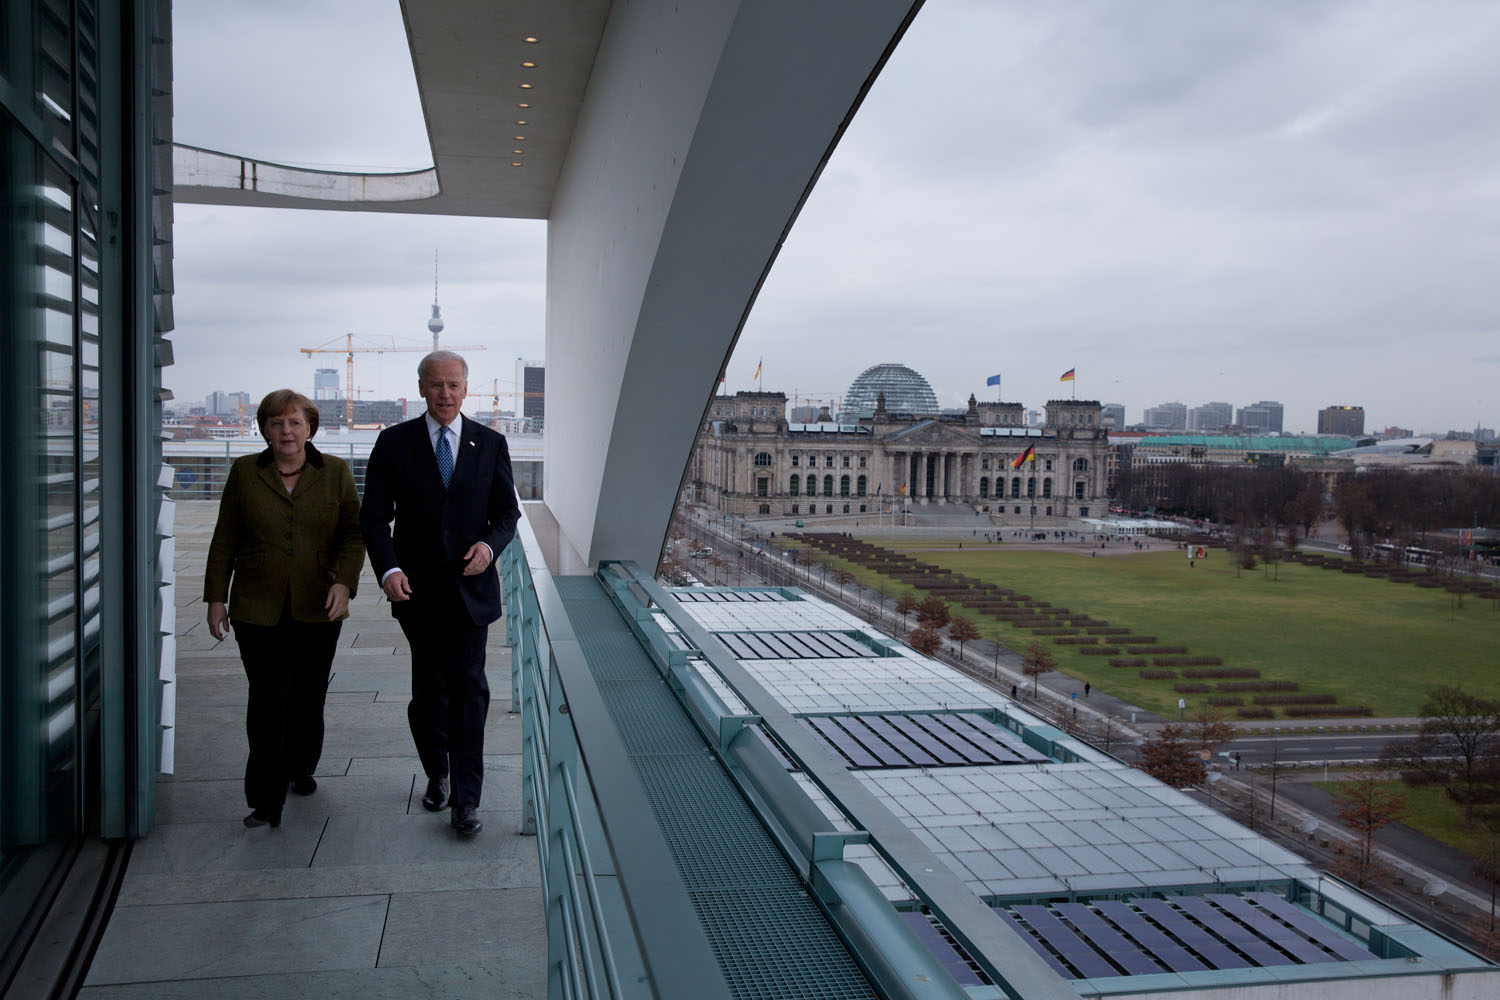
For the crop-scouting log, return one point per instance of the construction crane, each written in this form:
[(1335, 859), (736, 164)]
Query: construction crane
[(376, 347), (495, 393)]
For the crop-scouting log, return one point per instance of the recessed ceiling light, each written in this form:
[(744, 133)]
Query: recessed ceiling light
[(529, 39), (525, 86), (515, 164), (520, 121), (523, 105), (519, 138), (528, 65), (519, 152)]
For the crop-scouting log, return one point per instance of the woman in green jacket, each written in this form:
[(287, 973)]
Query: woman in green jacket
[(288, 540)]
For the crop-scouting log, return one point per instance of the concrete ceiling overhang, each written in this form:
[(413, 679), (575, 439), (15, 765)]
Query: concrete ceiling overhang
[(499, 129)]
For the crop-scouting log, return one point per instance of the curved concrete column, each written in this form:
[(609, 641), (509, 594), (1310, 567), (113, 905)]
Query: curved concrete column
[(702, 130)]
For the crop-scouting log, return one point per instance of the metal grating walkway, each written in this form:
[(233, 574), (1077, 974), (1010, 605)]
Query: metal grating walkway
[(770, 938)]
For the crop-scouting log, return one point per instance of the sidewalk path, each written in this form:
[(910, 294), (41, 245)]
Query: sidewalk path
[(360, 893)]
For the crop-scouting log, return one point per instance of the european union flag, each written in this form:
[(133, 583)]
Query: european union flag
[(992, 380)]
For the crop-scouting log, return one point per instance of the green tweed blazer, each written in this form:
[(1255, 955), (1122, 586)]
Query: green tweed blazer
[(268, 542)]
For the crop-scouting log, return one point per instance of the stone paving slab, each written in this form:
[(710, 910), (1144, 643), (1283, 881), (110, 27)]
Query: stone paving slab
[(342, 880), (209, 940), (484, 924), (489, 980)]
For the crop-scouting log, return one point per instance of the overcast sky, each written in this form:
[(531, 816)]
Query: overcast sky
[(1269, 199)]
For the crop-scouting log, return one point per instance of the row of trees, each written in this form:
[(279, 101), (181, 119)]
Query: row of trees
[(1391, 504)]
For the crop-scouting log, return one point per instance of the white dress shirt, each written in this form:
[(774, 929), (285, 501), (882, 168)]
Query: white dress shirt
[(454, 427)]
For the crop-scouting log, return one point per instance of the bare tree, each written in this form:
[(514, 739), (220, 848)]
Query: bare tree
[(924, 640), (1458, 745), (1170, 758), (1210, 729), (905, 605), (962, 630), (1366, 806), (1037, 660)]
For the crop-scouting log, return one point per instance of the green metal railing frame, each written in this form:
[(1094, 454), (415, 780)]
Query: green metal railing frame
[(619, 920)]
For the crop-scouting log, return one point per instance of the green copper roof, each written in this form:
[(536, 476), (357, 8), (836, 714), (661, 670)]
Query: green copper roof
[(1216, 442)]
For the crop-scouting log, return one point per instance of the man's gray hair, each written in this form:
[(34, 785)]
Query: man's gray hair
[(440, 358)]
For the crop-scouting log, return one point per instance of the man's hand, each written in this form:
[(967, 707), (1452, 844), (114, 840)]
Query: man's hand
[(218, 619), (337, 602), (477, 559), (396, 588)]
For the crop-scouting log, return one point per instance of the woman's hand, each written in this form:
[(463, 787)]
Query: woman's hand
[(218, 619), (337, 602)]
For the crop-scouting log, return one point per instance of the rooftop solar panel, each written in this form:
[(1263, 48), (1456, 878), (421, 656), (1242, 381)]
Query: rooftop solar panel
[(1148, 936), (1273, 930), (1311, 925), (845, 743), (855, 726), (941, 949), (938, 727), (1107, 940), (915, 733), (1200, 941), (1037, 946), (1231, 931), (915, 753), (1074, 950)]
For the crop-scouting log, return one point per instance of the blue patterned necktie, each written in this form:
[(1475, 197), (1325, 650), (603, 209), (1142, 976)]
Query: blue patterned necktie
[(444, 457)]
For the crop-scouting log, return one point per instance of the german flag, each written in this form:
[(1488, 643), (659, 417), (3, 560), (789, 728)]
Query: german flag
[(1067, 376), (1029, 455)]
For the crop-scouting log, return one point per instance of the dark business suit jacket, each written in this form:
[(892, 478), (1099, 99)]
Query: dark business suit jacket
[(434, 527), (271, 542)]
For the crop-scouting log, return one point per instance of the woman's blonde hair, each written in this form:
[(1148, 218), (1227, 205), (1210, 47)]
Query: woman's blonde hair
[(281, 400)]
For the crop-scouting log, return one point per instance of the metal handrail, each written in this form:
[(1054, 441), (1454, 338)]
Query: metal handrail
[(586, 793)]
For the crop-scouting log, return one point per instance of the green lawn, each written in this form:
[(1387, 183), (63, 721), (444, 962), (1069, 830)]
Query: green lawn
[(1370, 642), (1430, 811)]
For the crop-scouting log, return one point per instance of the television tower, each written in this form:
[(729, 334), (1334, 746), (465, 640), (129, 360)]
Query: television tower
[(435, 324)]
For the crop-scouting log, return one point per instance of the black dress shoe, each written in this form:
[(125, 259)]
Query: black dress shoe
[(304, 784), (466, 820), (258, 818), (437, 794)]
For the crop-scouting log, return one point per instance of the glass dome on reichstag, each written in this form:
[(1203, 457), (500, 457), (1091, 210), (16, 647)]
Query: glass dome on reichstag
[(905, 392)]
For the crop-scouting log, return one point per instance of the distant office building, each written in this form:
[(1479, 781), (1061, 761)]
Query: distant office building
[(326, 383), (1396, 432), (1346, 420), (1210, 417), (805, 413), (1113, 415), (1484, 434), (531, 383), (227, 404), (333, 412), (1261, 418), (1167, 417)]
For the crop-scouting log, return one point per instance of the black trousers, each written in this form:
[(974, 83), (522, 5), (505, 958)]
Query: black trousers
[(287, 665), (450, 699)]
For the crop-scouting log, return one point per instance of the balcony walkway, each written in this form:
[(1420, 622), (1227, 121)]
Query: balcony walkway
[(360, 892)]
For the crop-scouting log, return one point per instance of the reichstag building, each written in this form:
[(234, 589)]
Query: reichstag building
[(750, 461)]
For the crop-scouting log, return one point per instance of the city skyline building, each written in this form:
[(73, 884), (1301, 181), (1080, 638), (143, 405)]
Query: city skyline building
[(1213, 416), (1166, 416), (1264, 417), (326, 383), (1346, 420), (531, 383)]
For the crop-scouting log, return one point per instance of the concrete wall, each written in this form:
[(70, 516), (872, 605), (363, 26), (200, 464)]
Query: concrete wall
[(703, 128)]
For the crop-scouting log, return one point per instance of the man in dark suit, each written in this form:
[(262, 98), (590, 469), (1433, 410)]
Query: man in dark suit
[(447, 483)]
